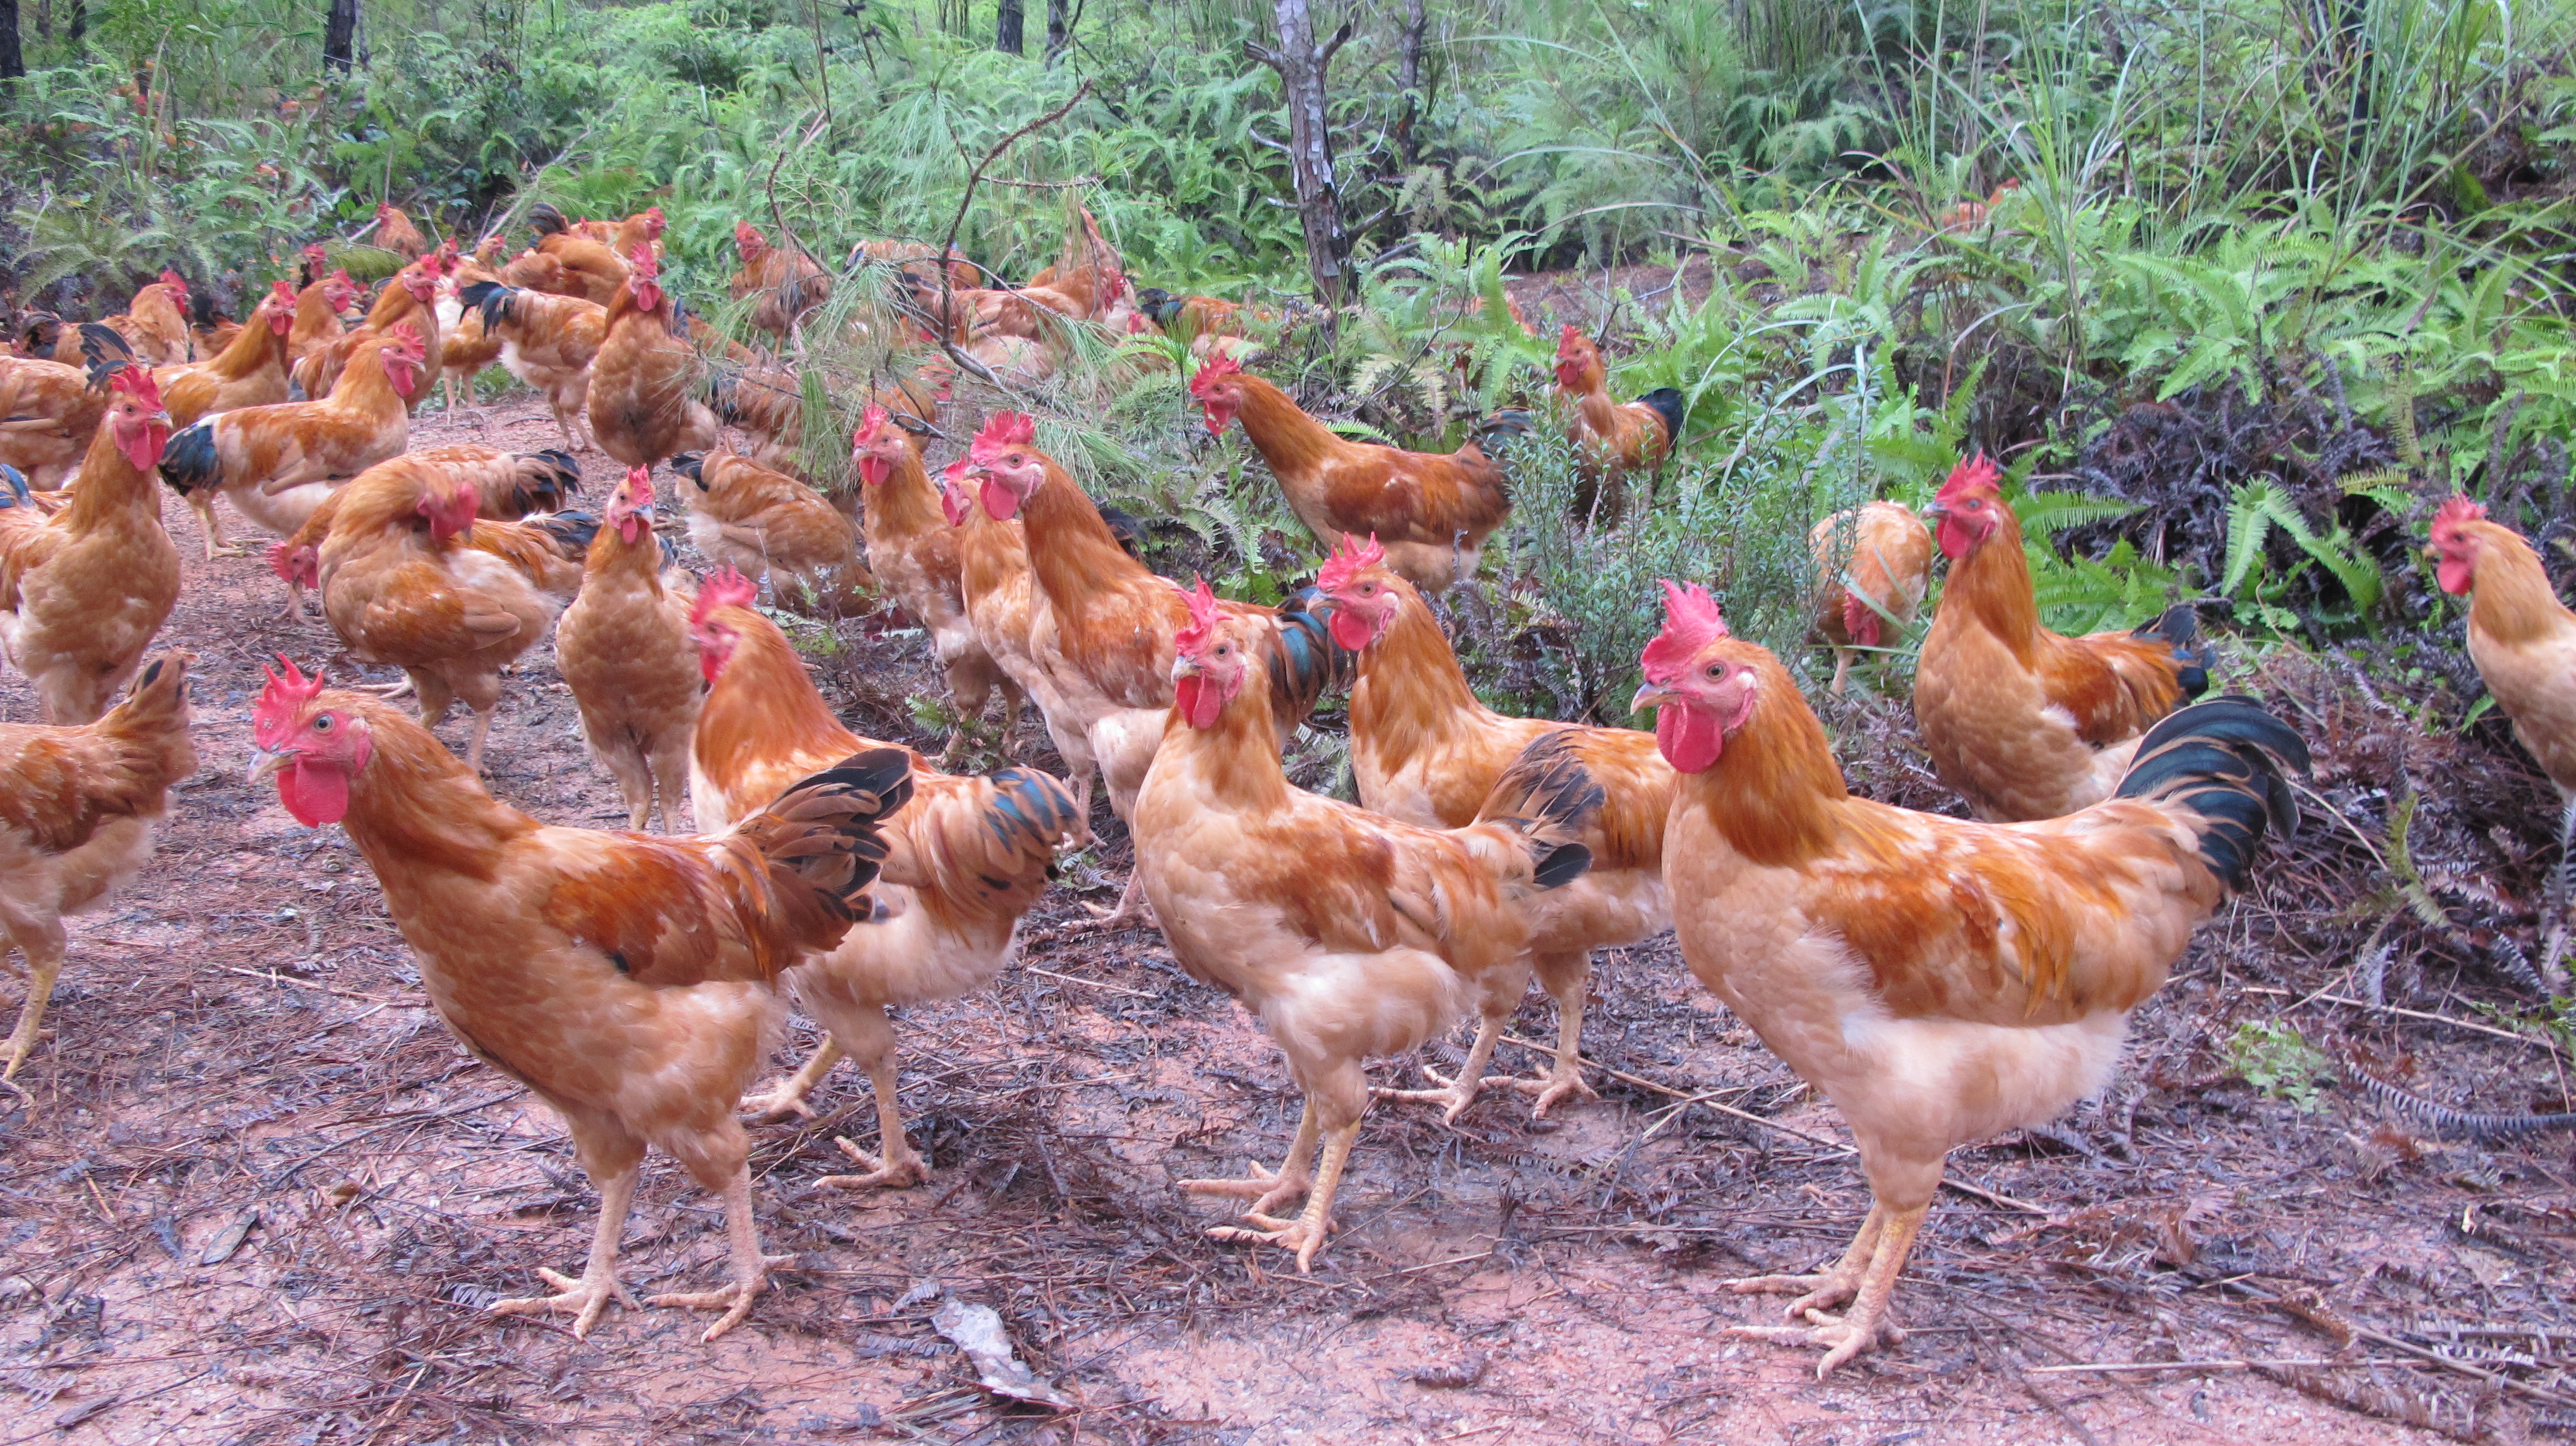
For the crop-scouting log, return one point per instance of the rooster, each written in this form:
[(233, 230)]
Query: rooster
[(2024, 723), (1431, 513), (623, 648), (913, 551), (1610, 440), (77, 809), (1348, 935), (1873, 565), (155, 324), (1940, 981), (317, 310), (409, 299), (627, 979), (787, 281)]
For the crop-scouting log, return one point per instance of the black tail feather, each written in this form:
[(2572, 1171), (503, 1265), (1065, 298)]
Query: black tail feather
[(1551, 795), (1030, 807), (691, 465), (2179, 629), (572, 531), (1124, 526), (879, 781), (190, 460), (104, 349), (545, 220), (1670, 405), (2222, 759), (547, 481)]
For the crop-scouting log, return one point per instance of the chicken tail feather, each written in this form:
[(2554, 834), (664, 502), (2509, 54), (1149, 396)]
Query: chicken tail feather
[(104, 349), (1307, 663), (818, 846), (2222, 760), (2179, 629), (571, 531), (1669, 404), (190, 461), (1550, 797), (13, 488)]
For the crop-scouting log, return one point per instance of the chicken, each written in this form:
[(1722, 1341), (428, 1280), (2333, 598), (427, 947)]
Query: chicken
[(642, 407), (1424, 751), (427, 600), (77, 809), (627, 980), (396, 233), (1001, 597), (1189, 317), (278, 462), (83, 591), (1431, 513), (787, 281), (1101, 627), (964, 862), (155, 325), (507, 485), (43, 336), (1611, 441), (466, 348), (768, 524), (409, 299), (48, 414), (913, 553), (546, 341), (2023, 723), (1971, 214), (1873, 565), (623, 648), (250, 371), (566, 262), (2520, 636), (761, 397), (1940, 981), (1348, 935), (317, 311)]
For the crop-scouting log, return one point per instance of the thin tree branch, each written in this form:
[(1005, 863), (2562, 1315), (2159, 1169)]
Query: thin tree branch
[(1324, 57), (947, 291)]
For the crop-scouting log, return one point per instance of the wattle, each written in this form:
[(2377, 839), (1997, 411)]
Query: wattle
[(1218, 419), (875, 470), (1689, 739), (1200, 701), (1000, 502), (315, 796), (631, 527), (1860, 620), (1351, 630), (1955, 538), (2455, 575)]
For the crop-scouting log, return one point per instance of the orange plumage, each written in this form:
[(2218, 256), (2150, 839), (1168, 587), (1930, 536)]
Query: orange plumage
[(549, 342), (787, 282), (408, 299), (250, 372), (49, 411), (2023, 722), (1611, 439), (396, 233), (1873, 564), (644, 380), (2520, 636), (623, 648), (769, 525), (913, 552)]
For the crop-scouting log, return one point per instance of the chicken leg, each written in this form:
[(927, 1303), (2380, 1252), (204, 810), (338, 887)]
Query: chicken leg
[(786, 1099), (41, 941), (586, 1298), (869, 1037), (1305, 1234), (1864, 1326), (1566, 983), (1271, 1188), (1458, 1091), (750, 1267)]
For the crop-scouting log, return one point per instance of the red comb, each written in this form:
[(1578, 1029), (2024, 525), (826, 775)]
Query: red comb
[(1203, 616), (1219, 365), (644, 263), (1002, 431), (1977, 472), (748, 240), (406, 339), (1347, 560), (724, 588), (640, 478), (1691, 622), (175, 282), (871, 422), (137, 382), (281, 291), (2457, 510), (285, 695), (313, 252), (1566, 340)]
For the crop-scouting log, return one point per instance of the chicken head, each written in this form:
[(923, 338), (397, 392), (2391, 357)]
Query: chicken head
[(1364, 602), (1005, 456), (135, 420), (1968, 507), (1218, 392), (312, 750), (1701, 684), (2456, 544)]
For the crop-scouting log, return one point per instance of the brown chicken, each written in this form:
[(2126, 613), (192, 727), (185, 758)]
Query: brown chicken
[(1873, 565), (627, 979), (546, 341), (48, 414), (1611, 441), (2520, 636), (508, 486), (964, 862), (276, 463), (1348, 935), (913, 553), (77, 810), (623, 648), (788, 282), (83, 591), (426, 599), (643, 404), (1940, 981), (318, 308), (251, 371), (769, 525), (409, 299), (2025, 723), (1431, 513), (1000, 593), (396, 233), (43, 336), (565, 262), (155, 325), (1425, 751)]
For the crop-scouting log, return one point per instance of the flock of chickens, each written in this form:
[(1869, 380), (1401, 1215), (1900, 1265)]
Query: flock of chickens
[(1939, 980)]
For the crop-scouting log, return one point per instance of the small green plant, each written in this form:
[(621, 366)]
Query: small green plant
[(2275, 1058)]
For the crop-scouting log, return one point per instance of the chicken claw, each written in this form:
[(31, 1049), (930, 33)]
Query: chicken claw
[(1303, 1235), (1270, 1189), (899, 1167), (584, 1299), (1844, 1338), (1551, 1088), (734, 1300), (1451, 1095)]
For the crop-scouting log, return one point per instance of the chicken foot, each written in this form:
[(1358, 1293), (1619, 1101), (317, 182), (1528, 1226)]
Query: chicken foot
[(869, 1037), (1564, 1079), (1865, 1325), (786, 1099), (43, 946), (750, 1267), (1458, 1091), (586, 1298), (1271, 1188), (1305, 1234)]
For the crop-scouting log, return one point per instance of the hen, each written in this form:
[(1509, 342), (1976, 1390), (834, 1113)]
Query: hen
[(1348, 935), (83, 591), (1940, 981), (1610, 440), (643, 410), (155, 325), (396, 233), (964, 863), (546, 341), (276, 463), (1873, 565), (913, 552), (77, 810), (567, 262), (1425, 751), (627, 979), (2521, 637), (408, 300), (2024, 723), (768, 524), (317, 311), (787, 282), (508, 485), (1431, 513), (623, 648), (49, 412)]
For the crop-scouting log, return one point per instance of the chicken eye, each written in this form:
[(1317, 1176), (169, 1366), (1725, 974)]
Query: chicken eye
[(322, 724), (1717, 670)]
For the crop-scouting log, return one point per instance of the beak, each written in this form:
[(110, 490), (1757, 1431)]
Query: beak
[(267, 765), (1651, 696), (1935, 512), (1184, 666)]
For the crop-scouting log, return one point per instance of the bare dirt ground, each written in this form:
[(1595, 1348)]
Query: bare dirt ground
[(257, 1194)]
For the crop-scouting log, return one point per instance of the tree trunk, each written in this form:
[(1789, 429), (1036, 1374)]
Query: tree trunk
[(1408, 79), (1301, 65), (1007, 22), (340, 36), (78, 25), (12, 64), (1059, 29)]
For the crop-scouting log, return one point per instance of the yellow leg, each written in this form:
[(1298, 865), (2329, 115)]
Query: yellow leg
[(750, 1267), (1458, 1092), (1864, 1326), (1306, 1233), (869, 1037), (1271, 1189), (1822, 1292), (44, 965), (586, 1298), (787, 1097), (1564, 1079)]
